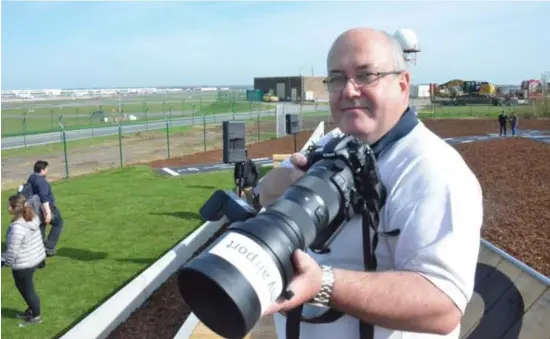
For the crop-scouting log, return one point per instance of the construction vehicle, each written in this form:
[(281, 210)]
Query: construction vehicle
[(460, 92), (270, 97)]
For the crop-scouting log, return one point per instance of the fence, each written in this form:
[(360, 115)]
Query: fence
[(77, 152), (173, 135), (27, 118)]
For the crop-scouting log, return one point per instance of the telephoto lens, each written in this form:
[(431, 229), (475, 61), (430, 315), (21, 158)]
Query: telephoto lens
[(230, 284)]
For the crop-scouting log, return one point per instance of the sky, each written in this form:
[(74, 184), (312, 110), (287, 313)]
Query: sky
[(146, 44)]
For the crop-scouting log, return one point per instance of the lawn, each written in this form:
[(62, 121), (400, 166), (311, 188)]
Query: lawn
[(117, 223), (46, 119)]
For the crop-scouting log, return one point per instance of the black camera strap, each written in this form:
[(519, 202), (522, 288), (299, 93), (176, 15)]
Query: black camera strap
[(370, 219)]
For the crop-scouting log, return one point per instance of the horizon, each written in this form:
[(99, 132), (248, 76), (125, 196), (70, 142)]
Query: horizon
[(84, 45)]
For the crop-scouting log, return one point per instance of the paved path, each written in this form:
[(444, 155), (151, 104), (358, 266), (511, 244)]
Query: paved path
[(53, 137)]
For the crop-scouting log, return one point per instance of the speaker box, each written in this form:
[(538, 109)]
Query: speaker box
[(292, 123), (234, 143)]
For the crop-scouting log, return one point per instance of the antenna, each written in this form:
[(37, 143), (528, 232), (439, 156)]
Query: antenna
[(409, 43)]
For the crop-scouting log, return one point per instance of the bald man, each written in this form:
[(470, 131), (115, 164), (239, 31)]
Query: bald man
[(425, 274)]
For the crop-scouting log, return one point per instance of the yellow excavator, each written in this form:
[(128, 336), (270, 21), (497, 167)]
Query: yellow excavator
[(460, 92), (270, 97)]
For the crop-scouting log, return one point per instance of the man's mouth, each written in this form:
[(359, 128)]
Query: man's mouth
[(355, 108)]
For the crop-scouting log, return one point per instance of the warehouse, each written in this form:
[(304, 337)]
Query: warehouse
[(293, 88)]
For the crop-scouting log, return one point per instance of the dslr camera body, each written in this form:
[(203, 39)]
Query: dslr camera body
[(231, 283)]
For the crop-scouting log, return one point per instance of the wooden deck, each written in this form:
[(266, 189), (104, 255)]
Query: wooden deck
[(509, 303), (264, 329)]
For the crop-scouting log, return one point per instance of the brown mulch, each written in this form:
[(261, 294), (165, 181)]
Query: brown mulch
[(445, 128), (514, 174), (515, 177)]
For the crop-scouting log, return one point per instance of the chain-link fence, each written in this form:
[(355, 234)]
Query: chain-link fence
[(76, 152)]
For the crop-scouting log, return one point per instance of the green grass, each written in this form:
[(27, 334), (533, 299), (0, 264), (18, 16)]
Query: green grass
[(44, 120), (438, 111), (117, 223)]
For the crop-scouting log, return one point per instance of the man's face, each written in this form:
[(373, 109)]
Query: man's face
[(44, 172), (368, 105)]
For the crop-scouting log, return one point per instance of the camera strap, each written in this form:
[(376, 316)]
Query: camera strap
[(370, 219)]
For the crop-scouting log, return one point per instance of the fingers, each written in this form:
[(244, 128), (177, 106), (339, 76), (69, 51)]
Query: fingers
[(298, 160)]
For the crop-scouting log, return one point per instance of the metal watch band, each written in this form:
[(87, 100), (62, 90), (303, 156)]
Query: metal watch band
[(327, 283)]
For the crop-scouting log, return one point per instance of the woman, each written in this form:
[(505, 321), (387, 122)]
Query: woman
[(25, 252)]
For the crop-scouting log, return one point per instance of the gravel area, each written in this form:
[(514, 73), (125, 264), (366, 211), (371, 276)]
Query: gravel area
[(514, 174)]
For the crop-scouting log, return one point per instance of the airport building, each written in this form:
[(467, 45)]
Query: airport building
[(293, 88)]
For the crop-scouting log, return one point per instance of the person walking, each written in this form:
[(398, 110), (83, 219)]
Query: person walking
[(25, 253), (52, 215)]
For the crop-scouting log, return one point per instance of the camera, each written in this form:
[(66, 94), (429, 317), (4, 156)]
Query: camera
[(230, 284)]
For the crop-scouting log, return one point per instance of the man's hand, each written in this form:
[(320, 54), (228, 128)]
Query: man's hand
[(276, 181), (47, 219), (305, 284)]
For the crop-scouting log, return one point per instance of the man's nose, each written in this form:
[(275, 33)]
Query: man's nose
[(351, 90)]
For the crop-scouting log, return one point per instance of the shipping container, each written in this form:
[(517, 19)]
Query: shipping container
[(254, 95)]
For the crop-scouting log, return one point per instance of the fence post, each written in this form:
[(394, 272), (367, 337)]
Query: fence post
[(25, 129), (258, 125), (204, 130), (120, 142), (64, 139), (146, 120), (168, 137), (93, 126)]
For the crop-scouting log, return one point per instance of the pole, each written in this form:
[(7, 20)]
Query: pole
[(146, 120), (120, 142), (25, 129), (168, 137), (295, 143), (204, 130), (64, 139), (93, 126)]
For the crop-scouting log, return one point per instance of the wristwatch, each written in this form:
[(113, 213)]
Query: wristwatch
[(322, 298)]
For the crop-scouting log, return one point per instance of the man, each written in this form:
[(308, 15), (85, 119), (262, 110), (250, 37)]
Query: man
[(425, 274), (513, 123), (51, 214), (502, 122)]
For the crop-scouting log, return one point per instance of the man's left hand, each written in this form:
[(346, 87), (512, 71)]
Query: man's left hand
[(305, 284)]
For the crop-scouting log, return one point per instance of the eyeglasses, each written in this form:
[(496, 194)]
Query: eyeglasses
[(361, 79)]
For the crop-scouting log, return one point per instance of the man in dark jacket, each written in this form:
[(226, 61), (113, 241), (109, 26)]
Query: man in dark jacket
[(51, 214), (502, 122)]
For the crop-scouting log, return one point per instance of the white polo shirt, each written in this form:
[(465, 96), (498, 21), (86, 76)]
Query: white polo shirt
[(436, 202)]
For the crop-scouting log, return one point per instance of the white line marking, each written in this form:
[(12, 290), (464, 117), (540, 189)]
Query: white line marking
[(170, 171), (466, 141)]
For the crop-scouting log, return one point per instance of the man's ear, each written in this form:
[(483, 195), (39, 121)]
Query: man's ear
[(405, 83)]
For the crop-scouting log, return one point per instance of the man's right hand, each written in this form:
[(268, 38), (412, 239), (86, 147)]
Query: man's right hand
[(276, 181)]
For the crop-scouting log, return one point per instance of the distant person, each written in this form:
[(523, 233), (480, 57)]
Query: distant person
[(41, 187), (513, 123), (502, 122), (25, 253)]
